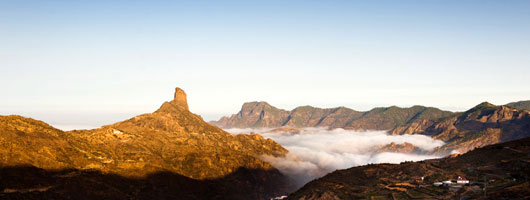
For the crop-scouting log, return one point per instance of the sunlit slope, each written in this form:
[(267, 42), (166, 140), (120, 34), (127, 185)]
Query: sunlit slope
[(170, 139)]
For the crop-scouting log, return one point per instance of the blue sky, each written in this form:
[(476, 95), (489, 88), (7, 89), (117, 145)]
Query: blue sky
[(96, 62)]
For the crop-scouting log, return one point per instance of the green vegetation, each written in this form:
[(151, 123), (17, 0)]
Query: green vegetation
[(521, 105), (261, 114)]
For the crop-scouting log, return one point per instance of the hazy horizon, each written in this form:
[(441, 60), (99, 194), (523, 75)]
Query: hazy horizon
[(72, 121), (98, 62)]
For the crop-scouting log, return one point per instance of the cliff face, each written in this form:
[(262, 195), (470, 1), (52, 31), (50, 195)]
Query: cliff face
[(172, 139), (482, 125), (255, 114), (261, 114), (500, 171)]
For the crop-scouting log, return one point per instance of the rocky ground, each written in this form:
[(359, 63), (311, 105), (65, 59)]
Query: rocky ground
[(500, 171)]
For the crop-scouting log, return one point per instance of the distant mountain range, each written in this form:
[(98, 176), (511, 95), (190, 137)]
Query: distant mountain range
[(521, 105), (171, 141), (482, 125), (500, 171), (261, 114)]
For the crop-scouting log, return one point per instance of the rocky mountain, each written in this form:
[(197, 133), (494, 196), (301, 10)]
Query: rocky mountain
[(521, 105), (261, 114), (171, 140), (255, 114), (500, 171), (482, 125)]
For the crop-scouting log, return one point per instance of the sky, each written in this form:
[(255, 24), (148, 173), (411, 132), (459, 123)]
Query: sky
[(91, 63)]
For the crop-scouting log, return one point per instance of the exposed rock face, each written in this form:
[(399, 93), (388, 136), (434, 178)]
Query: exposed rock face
[(255, 114), (261, 114), (400, 148), (482, 125), (172, 139), (504, 169), (180, 99)]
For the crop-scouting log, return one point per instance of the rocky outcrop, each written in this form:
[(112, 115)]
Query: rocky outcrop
[(180, 99), (261, 114), (254, 114), (405, 147), (171, 139)]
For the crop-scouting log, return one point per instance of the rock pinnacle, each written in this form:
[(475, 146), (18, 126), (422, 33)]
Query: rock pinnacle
[(180, 99)]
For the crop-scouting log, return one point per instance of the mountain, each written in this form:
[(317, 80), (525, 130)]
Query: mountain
[(482, 125), (391, 117), (170, 140), (261, 114), (255, 114), (500, 171), (521, 105)]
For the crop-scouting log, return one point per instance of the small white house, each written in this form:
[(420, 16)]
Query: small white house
[(462, 180), (437, 183)]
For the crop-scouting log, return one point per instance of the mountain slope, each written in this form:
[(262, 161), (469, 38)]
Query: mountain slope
[(388, 118), (171, 139), (261, 114), (255, 114), (482, 125), (520, 105), (27, 141), (499, 171)]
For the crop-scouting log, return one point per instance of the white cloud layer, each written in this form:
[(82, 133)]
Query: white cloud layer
[(318, 151)]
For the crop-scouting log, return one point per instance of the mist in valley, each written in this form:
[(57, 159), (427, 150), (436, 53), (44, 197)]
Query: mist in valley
[(314, 152)]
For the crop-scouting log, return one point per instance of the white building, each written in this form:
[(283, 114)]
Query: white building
[(462, 180), (437, 184), (448, 182)]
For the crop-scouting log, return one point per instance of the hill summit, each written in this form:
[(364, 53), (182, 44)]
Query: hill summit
[(180, 99), (169, 140)]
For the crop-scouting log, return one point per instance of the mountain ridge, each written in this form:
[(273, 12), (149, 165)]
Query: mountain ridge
[(521, 105), (481, 125), (380, 118)]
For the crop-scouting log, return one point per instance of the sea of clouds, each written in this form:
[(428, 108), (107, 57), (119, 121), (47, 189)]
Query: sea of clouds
[(318, 151)]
